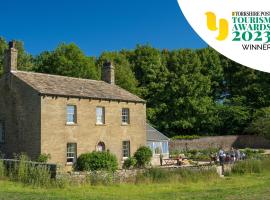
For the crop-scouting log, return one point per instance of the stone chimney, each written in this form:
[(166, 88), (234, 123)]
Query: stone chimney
[(108, 73), (11, 55)]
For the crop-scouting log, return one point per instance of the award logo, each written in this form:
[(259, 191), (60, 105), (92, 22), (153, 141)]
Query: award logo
[(238, 29), (212, 25)]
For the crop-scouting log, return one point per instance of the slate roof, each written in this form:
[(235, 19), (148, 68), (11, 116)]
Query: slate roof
[(75, 87), (154, 135)]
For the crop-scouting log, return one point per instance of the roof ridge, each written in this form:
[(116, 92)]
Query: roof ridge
[(55, 75)]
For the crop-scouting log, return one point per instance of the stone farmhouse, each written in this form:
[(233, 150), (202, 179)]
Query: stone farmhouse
[(64, 116)]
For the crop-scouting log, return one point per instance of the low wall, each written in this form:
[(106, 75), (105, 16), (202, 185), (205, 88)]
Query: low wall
[(121, 176), (226, 142)]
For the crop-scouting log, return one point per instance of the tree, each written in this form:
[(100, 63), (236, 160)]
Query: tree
[(149, 66), (66, 60), (188, 94), (3, 47), (25, 60), (149, 70), (261, 123), (211, 66), (250, 84), (124, 76), (233, 119)]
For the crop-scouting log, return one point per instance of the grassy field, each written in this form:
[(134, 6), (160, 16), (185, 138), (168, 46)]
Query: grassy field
[(253, 187)]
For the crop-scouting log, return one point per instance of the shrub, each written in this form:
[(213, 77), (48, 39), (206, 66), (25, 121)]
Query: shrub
[(163, 175), (247, 166), (62, 181), (158, 175), (43, 158), (175, 152), (38, 176), (186, 137), (200, 157), (129, 163), (97, 161), (253, 153), (266, 164), (29, 173), (2, 169), (203, 154), (193, 151), (102, 178), (261, 151), (143, 156), (22, 168)]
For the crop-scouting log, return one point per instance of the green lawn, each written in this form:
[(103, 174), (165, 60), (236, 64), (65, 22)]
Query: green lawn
[(253, 187)]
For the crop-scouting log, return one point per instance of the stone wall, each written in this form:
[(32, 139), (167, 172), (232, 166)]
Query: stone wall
[(55, 133), (36, 124), (226, 142), (120, 176), (20, 112)]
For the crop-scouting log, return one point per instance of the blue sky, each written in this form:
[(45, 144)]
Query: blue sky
[(96, 25)]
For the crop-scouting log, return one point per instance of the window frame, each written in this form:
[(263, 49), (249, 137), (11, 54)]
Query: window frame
[(3, 132), (155, 145), (165, 147), (125, 147), (125, 116), (74, 157), (101, 147), (102, 122), (74, 114)]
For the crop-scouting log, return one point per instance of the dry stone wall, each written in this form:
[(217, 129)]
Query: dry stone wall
[(226, 142)]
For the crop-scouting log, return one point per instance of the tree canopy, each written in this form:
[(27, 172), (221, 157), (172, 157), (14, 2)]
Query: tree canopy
[(66, 60)]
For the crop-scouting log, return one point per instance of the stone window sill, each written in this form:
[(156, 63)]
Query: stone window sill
[(71, 124), (69, 163), (123, 159), (125, 124), (100, 124)]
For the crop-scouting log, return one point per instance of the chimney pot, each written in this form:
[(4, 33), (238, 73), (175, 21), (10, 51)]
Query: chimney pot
[(12, 44)]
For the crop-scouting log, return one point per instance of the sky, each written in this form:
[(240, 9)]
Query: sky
[(96, 25)]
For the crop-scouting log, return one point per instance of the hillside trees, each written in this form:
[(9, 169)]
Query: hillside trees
[(187, 92), (261, 123), (212, 67), (151, 72), (66, 60)]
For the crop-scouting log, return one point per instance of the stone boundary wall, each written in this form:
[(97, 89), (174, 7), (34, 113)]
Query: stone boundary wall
[(121, 176), (226, 142)]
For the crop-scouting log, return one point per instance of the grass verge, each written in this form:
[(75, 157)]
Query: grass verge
[(248, 187)]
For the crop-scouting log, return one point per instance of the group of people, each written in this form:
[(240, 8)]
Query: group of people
[(231, 156)]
